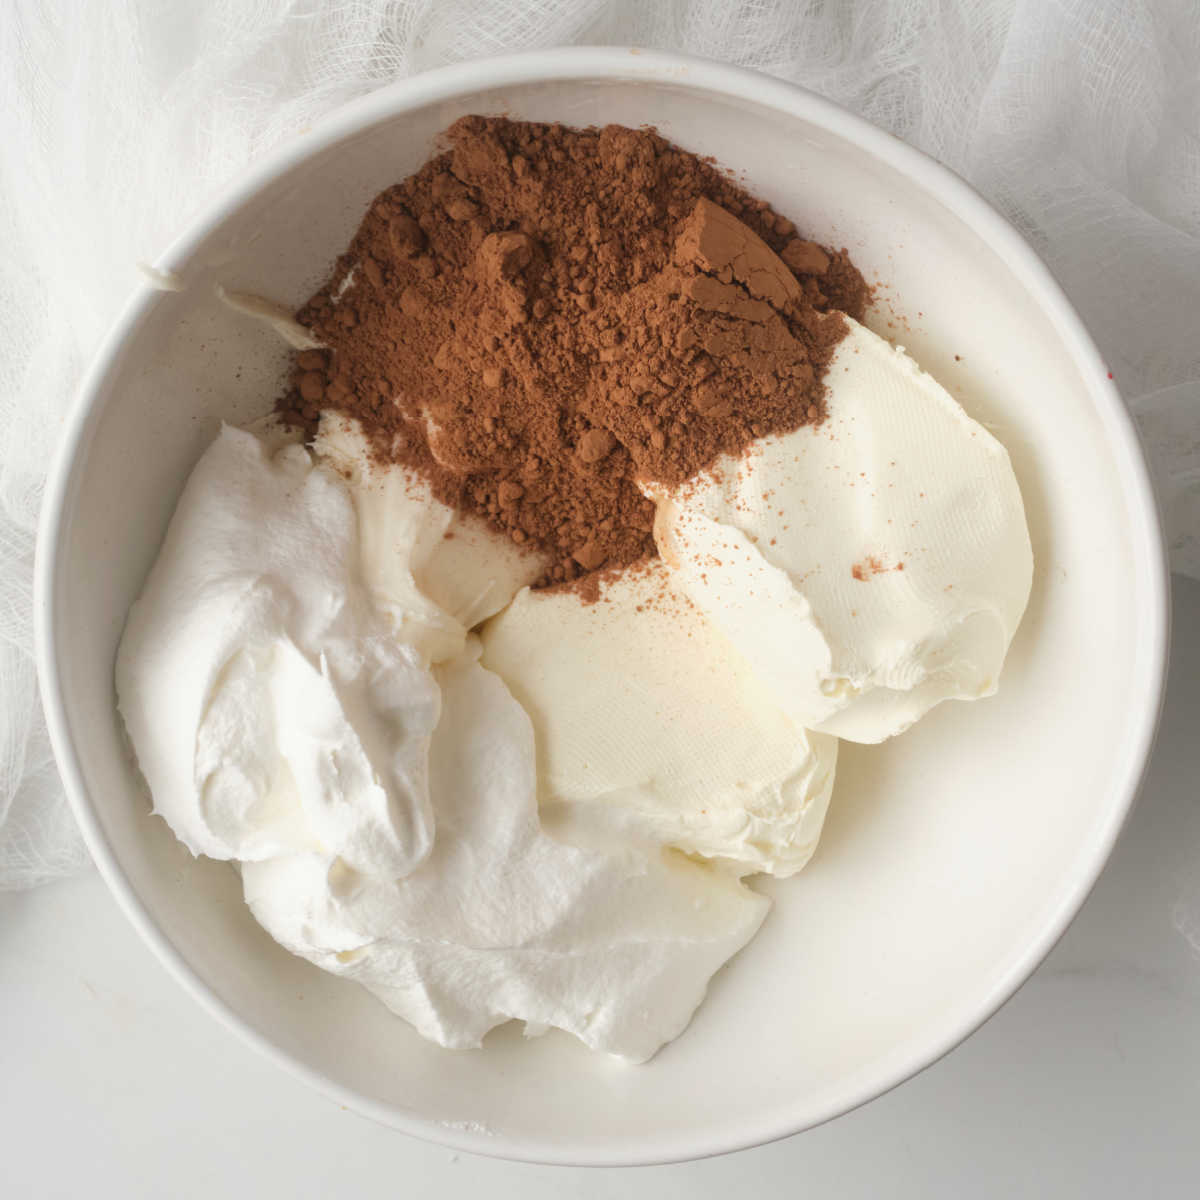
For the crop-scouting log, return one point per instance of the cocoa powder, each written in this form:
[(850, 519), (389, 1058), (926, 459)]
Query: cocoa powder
[(541, 316)]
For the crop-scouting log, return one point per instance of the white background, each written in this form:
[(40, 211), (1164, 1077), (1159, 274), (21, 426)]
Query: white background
[(114, 1083)]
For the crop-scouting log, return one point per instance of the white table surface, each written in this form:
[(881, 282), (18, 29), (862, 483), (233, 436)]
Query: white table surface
[(114, 1083)]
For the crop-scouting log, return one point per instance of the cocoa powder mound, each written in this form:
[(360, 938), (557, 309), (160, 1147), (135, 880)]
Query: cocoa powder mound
[(543, 315)]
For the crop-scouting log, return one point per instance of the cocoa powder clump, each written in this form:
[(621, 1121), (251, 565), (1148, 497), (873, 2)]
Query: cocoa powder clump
[(542, 316)]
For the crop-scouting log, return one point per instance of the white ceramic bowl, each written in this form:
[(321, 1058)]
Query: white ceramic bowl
[(953, 856)]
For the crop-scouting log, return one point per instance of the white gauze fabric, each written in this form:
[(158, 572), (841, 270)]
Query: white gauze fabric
[(1080, 119)]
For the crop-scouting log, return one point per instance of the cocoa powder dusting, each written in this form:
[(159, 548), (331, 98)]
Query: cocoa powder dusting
[(542, 315)]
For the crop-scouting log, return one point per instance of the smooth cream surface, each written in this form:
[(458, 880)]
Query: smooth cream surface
[(866, 568), (651, 726)]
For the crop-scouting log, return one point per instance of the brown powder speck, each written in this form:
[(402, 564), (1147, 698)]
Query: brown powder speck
[(871, 566), (563, 312)]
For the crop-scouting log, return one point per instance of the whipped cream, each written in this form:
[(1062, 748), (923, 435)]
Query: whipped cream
[(436, 571), (270, 708), (651, 728), (504, 921), (867, 568), (299, 703)]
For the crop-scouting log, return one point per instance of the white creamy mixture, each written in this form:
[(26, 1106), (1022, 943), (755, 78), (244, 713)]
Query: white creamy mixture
[(551, 824), (652, 728), (271, 709), (502, 920), (868, 568)]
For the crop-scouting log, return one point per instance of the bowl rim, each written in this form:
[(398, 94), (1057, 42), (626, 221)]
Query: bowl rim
[(738, 83)]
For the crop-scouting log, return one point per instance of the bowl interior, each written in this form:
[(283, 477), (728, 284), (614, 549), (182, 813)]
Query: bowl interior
[(951, 855)]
